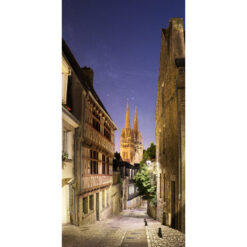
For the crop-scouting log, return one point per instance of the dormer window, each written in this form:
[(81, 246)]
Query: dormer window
[(66, 72)]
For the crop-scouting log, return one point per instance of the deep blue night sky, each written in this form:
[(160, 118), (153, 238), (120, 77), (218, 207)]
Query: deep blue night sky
[(120, 41)]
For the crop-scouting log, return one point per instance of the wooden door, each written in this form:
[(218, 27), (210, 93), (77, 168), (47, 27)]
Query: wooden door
[(173, 203)]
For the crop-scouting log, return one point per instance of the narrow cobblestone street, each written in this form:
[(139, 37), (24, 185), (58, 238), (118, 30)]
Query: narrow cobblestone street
[(126, 230)]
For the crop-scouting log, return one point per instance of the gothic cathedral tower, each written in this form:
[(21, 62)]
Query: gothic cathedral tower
[(131, 148)]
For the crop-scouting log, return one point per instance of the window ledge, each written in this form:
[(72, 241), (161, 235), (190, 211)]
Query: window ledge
[(67, 160)]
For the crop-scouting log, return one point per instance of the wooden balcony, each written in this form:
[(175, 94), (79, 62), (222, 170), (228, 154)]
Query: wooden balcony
[(91, 182), (94, 137)]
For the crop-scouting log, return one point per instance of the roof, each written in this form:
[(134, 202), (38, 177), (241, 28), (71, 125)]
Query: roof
[(117, 163), (77, 69)]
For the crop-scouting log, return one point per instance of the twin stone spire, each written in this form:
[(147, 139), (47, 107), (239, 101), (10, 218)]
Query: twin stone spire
[(131, 148), (127, 120)]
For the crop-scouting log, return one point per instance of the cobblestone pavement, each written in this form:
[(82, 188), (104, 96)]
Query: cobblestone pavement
[(125, 230), (170, 237)]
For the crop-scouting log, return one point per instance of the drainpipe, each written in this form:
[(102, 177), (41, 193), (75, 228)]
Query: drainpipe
[(82, 131), (78, 198)]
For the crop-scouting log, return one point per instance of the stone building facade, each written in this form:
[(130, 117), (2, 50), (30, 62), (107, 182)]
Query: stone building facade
[(130, 197), (170, 127), (116, 193), (131, 147), (69, 124), (93, 146)]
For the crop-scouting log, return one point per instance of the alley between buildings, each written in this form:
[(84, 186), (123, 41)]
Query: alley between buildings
[(125, 230)]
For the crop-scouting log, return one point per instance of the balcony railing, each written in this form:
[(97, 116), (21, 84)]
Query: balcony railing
[(93, 181), (97, 138)]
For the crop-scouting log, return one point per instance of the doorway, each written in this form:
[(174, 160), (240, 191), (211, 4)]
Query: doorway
[(173, 203)]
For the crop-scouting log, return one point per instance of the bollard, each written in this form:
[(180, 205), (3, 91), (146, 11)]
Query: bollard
[(145, 221), (160, 232)]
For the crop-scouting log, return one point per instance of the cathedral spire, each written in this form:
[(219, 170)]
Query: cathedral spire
[(135, 122), (127, 118)]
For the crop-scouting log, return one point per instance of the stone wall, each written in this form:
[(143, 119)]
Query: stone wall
[(104, 207), (151, 209), (134, 203), (170, 129), (116, 200)]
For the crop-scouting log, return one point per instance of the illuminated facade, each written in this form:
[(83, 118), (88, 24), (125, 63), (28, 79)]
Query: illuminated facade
[(93, 146), (69, 124), (131, 147), (170, 127)]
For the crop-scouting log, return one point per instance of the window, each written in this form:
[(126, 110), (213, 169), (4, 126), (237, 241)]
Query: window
[(96, 121), (91, 201), (93, 162), (64, 87), (85, 205), (67, 143), (103, 164), (108, 164), (107, 132), (131, 189)]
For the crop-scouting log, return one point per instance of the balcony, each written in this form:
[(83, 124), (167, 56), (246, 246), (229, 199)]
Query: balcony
[(90, 182), (92, 136)]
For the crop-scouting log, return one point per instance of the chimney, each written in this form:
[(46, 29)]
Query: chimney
[(87, 75)]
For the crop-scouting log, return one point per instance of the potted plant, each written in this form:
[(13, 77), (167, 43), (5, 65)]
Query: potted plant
[(64, 156), (68, 108)]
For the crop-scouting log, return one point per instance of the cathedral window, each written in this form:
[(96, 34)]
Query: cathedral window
[(96, 121), (93, 162)]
